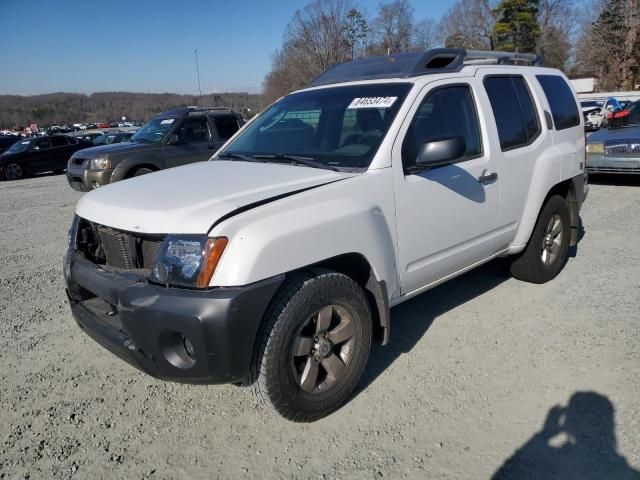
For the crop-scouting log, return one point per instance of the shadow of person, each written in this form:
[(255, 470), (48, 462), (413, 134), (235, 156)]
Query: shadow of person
[(576, 442)]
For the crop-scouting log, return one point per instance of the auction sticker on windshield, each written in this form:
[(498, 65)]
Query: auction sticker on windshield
[(372, 102), (167, 121)]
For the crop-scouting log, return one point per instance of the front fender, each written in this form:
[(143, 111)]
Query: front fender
[(356, 215)]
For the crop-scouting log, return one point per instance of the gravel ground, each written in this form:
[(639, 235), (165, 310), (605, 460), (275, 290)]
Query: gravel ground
[(473, 376)]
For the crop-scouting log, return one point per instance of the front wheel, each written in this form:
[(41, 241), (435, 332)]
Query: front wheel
[(546, 253), (13, 171), (313, 346)]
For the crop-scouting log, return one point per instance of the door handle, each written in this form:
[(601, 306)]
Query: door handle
[(487, 177)]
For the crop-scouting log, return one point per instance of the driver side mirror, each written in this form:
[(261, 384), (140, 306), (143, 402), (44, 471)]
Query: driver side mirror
[(173, 139), (441, 152)]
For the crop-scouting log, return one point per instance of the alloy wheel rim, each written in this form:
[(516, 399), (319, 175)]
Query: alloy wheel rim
[(552, 240), (323, 349), (13, 171)]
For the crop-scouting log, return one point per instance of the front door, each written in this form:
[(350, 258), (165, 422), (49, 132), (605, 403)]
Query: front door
[(193, 146), (40, 156), (447, 215)]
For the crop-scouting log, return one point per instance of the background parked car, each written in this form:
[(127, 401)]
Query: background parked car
[(38, 155), (112, 137), (6, 141), (175, 137), (591, 111), (616, 149), (89, 137)]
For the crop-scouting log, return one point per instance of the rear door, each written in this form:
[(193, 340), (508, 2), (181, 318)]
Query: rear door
[(60, 153), (447, 215), (194, 137), (224, 127), (518, 115)]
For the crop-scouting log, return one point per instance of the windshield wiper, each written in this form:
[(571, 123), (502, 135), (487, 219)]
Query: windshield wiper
[(237, 156), (307, 162)]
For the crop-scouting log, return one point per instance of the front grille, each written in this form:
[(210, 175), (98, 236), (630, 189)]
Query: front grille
[(77, 161), (127, 250)]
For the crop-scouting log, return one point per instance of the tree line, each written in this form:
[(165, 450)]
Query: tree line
[(62, 108), (598, 38)]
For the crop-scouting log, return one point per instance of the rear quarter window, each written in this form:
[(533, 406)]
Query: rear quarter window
[(564, 108)]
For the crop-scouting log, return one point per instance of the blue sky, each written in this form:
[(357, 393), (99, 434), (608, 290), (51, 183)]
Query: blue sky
[(147, 45)]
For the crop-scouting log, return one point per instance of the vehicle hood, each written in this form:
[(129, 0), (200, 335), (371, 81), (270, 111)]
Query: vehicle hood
[(191, 198), (115, 149), (631, 134)]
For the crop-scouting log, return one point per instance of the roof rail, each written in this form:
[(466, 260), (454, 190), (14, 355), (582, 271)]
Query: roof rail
[(405, 65)]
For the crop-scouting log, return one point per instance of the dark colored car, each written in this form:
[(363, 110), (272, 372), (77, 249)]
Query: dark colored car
[(38, 155), (175, 137), (89, 137), (112, 137), (616, 149), (7, 140)]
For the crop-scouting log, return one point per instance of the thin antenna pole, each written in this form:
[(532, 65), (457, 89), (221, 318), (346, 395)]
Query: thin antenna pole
[(198, 72)]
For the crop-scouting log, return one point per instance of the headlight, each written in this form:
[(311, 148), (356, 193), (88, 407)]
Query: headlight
[(100, 163), (188, 261), (595, 148)]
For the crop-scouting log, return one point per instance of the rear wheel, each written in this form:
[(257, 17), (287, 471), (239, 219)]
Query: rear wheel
[(546, 252), (13, 171), (313, 346)]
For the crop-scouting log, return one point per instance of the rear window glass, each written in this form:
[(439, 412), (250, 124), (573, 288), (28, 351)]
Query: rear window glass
[(561, 100), (514, 111), (226, 126)]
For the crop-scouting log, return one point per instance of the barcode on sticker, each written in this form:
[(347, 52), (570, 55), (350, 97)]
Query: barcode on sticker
[(372, 102)]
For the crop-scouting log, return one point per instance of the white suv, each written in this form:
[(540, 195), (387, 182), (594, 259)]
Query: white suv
[(276, 263)]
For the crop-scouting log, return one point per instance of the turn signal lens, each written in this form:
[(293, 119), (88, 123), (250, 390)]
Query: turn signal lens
[(212, 252)]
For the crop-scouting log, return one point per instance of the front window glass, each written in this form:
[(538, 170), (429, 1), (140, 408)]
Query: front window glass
[(194, 130), (19, 147), (448, 112), (153, 131), (336, 127)]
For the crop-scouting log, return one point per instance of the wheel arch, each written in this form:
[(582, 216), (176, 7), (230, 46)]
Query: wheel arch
[(133, 168), (567, 190), (358, 268)]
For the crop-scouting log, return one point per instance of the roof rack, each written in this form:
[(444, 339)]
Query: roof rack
[(405, 65)]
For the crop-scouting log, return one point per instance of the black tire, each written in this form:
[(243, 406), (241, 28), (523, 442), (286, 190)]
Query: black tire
[(13, 171), (293, 318), (545, 255), (140, 171)]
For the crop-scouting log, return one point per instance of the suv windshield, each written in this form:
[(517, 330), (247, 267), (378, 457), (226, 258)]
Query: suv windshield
[(335, 127), (153, 131)]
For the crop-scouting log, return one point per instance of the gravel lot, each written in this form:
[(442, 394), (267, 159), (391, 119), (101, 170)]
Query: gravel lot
[(472, 375)]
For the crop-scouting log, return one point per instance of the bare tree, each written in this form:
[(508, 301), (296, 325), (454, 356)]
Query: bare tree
[(426, 34), (357, 29), (469, 24), (316, 39), (559, 22), (609, 47), (393, 27)]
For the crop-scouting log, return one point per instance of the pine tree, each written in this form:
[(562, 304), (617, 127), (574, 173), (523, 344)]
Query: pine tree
[(516, 28)]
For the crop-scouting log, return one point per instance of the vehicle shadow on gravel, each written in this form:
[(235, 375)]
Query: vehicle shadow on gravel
[(615, 180), (576, 441), (411, 320)]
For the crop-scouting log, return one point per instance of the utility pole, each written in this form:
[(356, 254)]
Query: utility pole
[(195, 51)]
